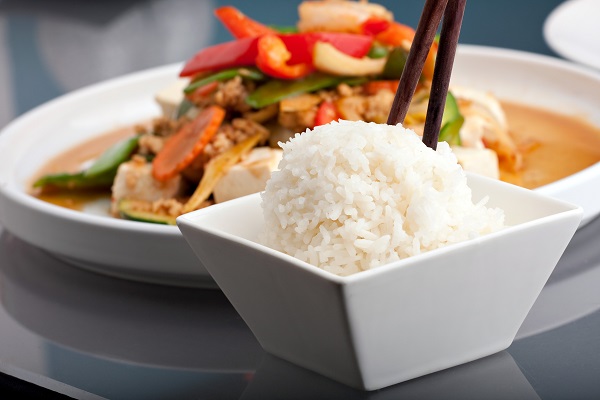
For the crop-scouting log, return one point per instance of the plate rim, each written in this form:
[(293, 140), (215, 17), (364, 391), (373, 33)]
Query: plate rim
[(548, 32)]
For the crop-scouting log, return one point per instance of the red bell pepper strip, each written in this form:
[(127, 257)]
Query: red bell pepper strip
[(203, 91), (237, 53), (243, 52), (273, 57), (326, 113), (374, 25), (239, 25), (187, 143), (301, 45), (395, 34)]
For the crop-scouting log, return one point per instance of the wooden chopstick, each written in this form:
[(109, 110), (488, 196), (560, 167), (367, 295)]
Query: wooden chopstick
[(452, 11), (443, 70), (430, 19)]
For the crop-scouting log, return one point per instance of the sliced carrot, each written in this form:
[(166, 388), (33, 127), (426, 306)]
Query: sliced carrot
[(187, 143), (373, 87), (396, 34), (430, 62), (203, 91)]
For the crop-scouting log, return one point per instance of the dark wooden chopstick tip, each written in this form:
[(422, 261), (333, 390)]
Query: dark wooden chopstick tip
[(424, 36), (452, 12), (443, 71)]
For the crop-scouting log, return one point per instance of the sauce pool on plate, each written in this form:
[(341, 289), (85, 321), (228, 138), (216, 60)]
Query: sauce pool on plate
[(555, 146), (71, 160)]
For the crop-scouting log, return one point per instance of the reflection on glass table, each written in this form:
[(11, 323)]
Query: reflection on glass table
[(120, 339)]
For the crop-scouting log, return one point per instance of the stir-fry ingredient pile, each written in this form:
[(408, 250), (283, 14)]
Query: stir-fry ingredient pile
[(236, 100)]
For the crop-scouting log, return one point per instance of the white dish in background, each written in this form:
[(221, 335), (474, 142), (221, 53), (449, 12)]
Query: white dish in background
[(572, 30), (399, 321), (157, 253)]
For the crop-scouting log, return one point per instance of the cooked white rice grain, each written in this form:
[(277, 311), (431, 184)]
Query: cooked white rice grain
[(350, 196)]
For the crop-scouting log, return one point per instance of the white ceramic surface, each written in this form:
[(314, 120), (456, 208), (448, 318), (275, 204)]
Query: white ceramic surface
[(399, 321), (116, 247), (158, 253), (572, 30)]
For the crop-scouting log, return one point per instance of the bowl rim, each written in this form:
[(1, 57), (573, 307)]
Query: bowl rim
[(193, 220)]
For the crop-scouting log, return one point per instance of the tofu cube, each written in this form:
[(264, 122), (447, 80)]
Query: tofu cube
[(248, 176), (171, 96), (479, 161), (134, 180)]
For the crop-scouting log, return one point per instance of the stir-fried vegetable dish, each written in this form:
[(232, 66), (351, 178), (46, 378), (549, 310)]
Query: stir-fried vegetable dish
[(234, 101)]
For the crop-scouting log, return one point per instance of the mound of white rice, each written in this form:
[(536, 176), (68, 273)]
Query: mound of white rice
[(351, 196)]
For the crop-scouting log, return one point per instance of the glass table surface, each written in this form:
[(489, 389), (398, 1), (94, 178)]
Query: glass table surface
[(89, 336)]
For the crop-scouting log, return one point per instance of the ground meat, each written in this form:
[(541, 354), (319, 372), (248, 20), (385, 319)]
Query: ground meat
[(167, 207), (232, 95), (140, 129), (298, 112), (152, 138), (352, 108), (165, 126), (377, 106), (298, 121), (328, 95), (345, 90), (150, 144), (229, 134), (351, 102), (170, 207)]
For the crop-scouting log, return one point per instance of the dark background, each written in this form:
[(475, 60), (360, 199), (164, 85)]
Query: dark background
[(51, 47)]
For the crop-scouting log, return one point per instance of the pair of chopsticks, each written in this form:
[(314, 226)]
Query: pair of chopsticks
[(452, 11)]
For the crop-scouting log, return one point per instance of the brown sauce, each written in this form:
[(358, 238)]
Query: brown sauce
[(75, 200), (71, 161), (555, 146)]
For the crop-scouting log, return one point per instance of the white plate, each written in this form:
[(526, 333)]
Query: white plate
[(572, 30), (157, 253)]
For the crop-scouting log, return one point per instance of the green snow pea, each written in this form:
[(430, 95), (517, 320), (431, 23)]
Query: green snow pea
[(100, 174), (276, 90), (452, 121), (224, 75)]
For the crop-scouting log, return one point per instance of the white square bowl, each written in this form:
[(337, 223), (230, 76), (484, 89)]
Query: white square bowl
[(399, 321)]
